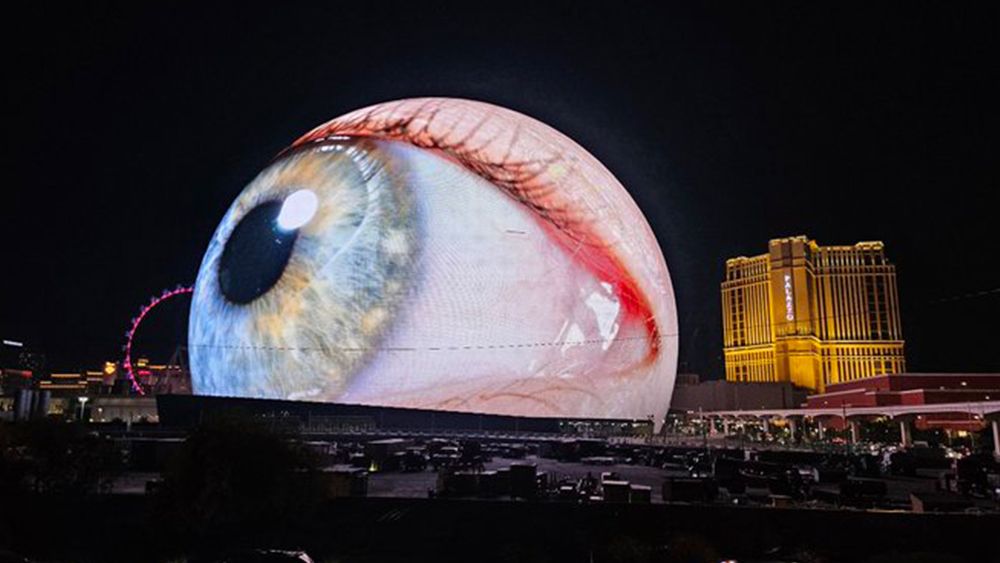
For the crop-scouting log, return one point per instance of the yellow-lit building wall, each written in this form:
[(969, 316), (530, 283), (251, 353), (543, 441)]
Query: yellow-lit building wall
[(811, 315)]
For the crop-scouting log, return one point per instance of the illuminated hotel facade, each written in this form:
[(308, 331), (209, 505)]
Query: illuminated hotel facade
[(811, 315)]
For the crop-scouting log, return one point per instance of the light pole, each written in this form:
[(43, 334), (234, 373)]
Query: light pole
[(704, 431), (847, 449), (83, 404)]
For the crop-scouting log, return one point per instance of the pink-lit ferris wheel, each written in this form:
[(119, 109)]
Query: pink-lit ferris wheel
[(134, 326)]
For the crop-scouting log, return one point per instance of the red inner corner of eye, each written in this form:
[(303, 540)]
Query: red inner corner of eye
[(600, 261)]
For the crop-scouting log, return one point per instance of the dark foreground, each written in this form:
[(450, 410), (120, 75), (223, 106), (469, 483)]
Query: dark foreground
[(127, 528)]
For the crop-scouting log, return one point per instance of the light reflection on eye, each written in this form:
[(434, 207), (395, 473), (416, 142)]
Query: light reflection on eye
[(440, 254), (297, 210)]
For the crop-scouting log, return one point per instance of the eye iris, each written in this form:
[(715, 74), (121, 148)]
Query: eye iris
[(256, 254)]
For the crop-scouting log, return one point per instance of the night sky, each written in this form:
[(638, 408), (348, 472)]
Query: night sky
[(133, 129)]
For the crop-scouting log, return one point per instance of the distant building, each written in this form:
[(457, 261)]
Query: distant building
[(112, 380), (811, 315), (64, 384), (19, 366), (12, 380), (156, 379)]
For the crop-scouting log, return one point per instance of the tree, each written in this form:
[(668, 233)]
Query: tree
[(51, 457), (237, 479)]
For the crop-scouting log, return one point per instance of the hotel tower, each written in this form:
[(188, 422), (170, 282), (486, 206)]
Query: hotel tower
[(811, 315)]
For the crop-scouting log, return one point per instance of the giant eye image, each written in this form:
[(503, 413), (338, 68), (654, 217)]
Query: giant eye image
[(442, 254)]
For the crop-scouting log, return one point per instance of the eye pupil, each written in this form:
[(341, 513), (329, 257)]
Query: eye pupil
[(256, 254)]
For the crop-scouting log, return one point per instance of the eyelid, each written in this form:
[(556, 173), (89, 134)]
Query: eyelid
[(537, 166)]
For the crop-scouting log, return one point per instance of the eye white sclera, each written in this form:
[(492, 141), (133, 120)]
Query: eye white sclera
[(501, 318), (298, 209)]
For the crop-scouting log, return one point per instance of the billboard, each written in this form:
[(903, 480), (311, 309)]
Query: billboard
[(443, 254)]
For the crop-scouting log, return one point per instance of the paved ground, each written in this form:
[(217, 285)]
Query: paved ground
[(898, 488), (411, 485), (417, 485), (133, 483)]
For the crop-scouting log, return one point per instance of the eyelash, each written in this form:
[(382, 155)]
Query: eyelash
[(516, 179)]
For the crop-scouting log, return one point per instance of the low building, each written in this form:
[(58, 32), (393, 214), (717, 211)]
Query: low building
[(916, 389), (730, 396), (185, 411), (123, 409)]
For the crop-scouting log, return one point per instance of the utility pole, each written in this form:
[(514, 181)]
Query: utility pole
[(704, 431)]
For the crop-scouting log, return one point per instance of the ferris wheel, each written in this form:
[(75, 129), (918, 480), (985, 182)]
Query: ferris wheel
[(127, 362)]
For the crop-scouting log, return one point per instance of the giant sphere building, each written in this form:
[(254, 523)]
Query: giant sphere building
[(437, 254)]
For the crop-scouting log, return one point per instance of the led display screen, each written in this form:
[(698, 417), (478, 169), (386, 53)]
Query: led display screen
[(442, 254)]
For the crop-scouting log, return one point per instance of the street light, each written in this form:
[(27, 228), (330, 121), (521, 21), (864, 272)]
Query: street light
[(83, 403)]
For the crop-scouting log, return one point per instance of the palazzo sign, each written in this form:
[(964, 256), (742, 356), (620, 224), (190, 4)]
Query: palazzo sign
[(789, 301)]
